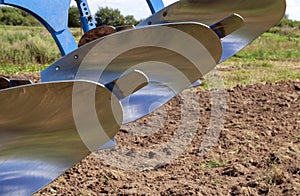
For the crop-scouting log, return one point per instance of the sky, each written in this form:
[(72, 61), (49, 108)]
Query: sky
[(142, 10)]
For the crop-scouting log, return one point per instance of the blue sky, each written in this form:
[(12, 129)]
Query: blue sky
[(142, 11)]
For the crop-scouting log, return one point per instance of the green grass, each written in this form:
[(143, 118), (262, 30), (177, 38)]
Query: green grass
[(22, 45), (27, 49), (245, 72), (28, 68), (272, 46), (271, 57)]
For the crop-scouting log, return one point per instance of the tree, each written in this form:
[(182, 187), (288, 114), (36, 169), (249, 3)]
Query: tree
[(130, 20), (74, 17), (108, 16), (286, 22), (14, 16)]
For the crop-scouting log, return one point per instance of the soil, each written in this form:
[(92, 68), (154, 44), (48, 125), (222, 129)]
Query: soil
[(256, 153)]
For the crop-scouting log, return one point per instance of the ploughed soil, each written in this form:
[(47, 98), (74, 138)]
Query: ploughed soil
[(256, 153)]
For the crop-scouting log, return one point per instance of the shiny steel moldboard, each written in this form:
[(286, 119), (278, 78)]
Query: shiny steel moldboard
[(172, 56), (259, 16), (47, 128)]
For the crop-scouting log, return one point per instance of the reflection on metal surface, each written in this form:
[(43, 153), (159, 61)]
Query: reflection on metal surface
[(259, 16), (39, 137), (7, 83), (4, 83), (228, 25), (146, 100), (172, 56)]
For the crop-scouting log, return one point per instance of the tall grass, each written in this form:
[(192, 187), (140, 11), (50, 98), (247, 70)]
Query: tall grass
[(272, 57), (278, 43), (27, 49), (21, 46)]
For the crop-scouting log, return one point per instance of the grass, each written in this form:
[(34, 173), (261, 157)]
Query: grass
[(28, 68), (247, 72), (278, 43), (22, 46), (27, 49), (272, 57)]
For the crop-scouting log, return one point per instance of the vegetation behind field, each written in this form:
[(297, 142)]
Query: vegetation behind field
[(103, 16), (273, 56), (27, 49)]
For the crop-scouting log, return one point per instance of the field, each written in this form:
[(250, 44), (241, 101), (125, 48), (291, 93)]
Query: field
[(257, 151)]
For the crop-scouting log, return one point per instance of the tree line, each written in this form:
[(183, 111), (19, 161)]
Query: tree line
[(104, 16), (13, 16)]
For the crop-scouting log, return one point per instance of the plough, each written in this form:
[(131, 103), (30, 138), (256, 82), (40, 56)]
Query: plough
[(116, 76)]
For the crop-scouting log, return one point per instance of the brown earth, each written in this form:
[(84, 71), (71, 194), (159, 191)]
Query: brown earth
[(257, 153)]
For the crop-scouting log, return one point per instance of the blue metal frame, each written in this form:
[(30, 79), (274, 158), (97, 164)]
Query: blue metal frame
[(86, 17), (155, 5)]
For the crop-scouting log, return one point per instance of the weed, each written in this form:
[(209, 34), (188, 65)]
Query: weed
[(213, 164), (274, 176), (216, 183)]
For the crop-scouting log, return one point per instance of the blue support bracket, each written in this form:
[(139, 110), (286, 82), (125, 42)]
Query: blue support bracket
[(155, 5), (54, 16), (86, 18)]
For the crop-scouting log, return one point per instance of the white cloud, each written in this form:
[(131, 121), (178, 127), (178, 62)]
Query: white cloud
[(139, 8), (293, 9)]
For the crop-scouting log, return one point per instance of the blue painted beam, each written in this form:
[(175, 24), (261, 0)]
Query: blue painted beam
[(155, 5), (86, 18)]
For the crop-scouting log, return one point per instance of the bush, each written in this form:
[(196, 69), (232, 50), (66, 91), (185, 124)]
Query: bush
[(285, 22), (14, 16), (108, 16), (74, 17)]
